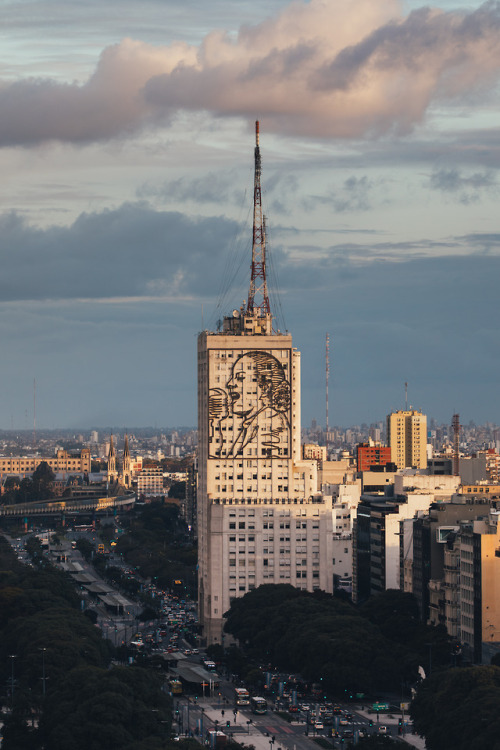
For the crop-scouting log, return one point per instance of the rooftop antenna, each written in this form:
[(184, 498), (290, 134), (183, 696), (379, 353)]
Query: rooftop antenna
[(455, 423), (327, 363), (34, 411), (258, 281), (406, 396)]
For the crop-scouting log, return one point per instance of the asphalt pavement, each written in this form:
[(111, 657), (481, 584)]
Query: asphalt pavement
[(268, 732)]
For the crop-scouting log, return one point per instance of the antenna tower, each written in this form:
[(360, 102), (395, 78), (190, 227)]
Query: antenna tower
[(258, 282), (34, 411), (327, 373), (456, 444)]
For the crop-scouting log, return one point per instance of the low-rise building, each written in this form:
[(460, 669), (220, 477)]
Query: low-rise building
[(63, 462)]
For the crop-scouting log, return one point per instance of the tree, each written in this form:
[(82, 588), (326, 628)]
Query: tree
[(43, 480), (177, 490), (458, 709)]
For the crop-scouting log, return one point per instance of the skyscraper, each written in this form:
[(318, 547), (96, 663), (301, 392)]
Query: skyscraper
[(407, 437), (259, 519)]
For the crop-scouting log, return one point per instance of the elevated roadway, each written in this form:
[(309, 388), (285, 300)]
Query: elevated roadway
[(68, 507)]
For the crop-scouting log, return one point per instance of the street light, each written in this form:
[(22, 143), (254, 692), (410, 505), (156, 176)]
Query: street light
[(43, 650), (12, 682)]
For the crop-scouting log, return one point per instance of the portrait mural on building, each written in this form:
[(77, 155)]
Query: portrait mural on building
[(252, 409)]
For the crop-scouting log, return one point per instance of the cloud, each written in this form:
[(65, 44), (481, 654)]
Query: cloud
[(467, 187), (130, 252), (317, 68), (134, 253), (214, 187), (114, 300)]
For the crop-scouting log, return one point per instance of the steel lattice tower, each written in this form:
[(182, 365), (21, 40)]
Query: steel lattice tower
[(258, 299)]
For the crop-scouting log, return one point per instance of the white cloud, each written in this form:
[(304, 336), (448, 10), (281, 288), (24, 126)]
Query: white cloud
[(317, 68)]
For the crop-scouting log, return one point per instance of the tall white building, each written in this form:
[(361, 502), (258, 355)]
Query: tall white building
[(259, 517)]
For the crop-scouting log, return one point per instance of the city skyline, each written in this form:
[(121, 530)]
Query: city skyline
[(126, 142)]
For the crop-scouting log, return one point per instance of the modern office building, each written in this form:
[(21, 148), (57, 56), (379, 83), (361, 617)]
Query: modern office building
[(407, 438), (259, 517)]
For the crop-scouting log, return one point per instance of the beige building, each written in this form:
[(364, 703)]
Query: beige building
[(259, 520), (150, 481), (62, 463), (313, 450), (407, 438)]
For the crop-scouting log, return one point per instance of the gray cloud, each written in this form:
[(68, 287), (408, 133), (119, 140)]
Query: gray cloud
[(467, 187), (116, 300), (129, 252), (214, 187), (316, 69)]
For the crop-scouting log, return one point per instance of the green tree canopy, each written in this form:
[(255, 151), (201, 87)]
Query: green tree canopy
[(458, 709)]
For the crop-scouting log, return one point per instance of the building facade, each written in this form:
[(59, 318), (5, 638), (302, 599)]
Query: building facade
[(372, 454), (259, 517), (62, 463), (407, 438)]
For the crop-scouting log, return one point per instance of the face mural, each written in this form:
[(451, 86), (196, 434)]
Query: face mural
[(252, 412)]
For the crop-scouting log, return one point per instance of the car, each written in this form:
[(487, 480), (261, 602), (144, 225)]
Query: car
[(343, 721), (318, 725), (347, 734), (382, 729)]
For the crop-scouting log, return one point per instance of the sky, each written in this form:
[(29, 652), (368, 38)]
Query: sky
[(126, 153)]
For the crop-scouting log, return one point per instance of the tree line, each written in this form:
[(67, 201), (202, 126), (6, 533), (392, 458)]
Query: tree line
[(376, 647), (58, 686)]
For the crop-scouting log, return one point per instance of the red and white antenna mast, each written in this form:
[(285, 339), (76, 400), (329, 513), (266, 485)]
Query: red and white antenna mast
[(258, 300), (327, 373), (456, 444)]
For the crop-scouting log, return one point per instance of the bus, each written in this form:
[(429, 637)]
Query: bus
[(258, 705), (175, 687), (241, 697)]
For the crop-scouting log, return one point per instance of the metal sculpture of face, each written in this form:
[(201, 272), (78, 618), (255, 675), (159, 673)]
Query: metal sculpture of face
[(238, 386)]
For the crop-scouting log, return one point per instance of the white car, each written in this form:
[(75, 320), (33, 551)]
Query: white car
[(382, 729)]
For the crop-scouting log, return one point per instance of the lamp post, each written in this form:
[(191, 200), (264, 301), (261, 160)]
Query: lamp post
[(12, 681), (43, 650)]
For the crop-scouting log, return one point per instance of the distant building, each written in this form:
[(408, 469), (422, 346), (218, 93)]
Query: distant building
[(150, 482), (62, 463), (372, 454), (407, 438), (124, 475), (314, 451)]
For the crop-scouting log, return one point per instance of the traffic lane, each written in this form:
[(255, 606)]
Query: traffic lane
[(258, 730)]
